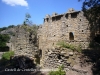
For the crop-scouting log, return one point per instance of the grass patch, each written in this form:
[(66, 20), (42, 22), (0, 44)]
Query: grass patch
[(7, 55), (60, 71), (69, 46), (5, 61)]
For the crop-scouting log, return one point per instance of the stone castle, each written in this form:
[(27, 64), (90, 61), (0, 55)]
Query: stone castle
[(71, 27)]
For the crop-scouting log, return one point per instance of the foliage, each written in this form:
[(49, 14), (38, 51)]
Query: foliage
[(26, 21), (5, 61), (79, 49), (11, 26), (33, 29), (3, 39), (28, 26), (4, 28), (69, 46), (63, 44), (7, 55), (91, 9), (58, 72)]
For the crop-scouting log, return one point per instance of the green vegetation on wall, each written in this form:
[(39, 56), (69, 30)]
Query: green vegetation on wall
[(33, 29), (69, 46)]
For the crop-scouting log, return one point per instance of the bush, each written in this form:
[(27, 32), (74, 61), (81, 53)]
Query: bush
[(69, 46), (63, 44), (5, 61), (66, 45), (4, 28), (4, 38), (58, 72), (7, 55), (79, 49)]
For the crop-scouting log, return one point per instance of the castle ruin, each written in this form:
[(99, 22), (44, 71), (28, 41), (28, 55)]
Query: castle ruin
[(71, 27)]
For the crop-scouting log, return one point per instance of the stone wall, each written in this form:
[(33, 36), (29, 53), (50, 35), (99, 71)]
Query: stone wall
[(72, 61), (22, 41), (71, 27)]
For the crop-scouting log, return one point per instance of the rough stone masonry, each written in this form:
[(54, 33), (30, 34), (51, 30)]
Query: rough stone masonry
[(71, 27), (22, 41)]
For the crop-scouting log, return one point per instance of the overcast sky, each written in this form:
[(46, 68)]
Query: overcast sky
[(12, 12)]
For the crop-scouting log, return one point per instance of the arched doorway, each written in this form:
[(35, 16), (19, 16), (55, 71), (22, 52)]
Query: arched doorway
[(71, 36)]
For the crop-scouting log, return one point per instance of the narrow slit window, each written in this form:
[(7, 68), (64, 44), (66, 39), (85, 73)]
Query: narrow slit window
[(47, 19)]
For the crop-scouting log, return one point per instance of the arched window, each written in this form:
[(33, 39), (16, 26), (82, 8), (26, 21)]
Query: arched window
[(71, 36)]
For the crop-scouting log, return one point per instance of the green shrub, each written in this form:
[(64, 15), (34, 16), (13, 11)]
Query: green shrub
[(66, 45), (79, 49), (7, 55), (4, 38), (5, 61), (63, 44), (72, 47), (69, 46), (32, 29), (4, 28), (58, 72)]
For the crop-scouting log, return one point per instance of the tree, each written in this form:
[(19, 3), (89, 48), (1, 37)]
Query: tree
[(4, 38), (11, 26), (91, 9), (27, 21), (4, 28)]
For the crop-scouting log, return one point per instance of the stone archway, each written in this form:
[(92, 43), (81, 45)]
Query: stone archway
[(71, 36)]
